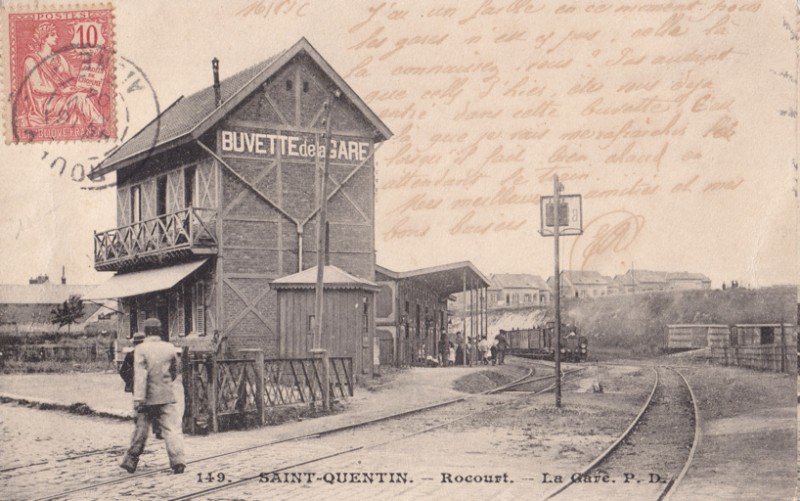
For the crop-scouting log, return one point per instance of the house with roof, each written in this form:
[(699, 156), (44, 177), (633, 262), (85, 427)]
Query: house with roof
[(581, 284), (517, 289), (684, 280), (635, 281), (27, 308), (219, 197)]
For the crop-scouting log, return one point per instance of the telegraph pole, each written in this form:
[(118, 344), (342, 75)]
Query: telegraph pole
[(557, 274), (317, 348)]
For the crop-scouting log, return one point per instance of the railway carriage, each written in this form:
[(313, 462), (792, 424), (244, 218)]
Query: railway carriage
[(539, 343)]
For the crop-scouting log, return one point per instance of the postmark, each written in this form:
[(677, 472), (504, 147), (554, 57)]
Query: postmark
[(606, 239), (60, 76)]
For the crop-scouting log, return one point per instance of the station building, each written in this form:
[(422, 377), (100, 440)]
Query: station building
[(218, 197), (412, 310)]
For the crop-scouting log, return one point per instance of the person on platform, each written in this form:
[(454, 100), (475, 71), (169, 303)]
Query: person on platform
[(451, 355), (493, 350), (126, 373), (444, 350), (483, 351), (502, 348), (155, 369)]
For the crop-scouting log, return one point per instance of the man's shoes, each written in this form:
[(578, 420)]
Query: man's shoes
[(128, 467), (159, 436), (178, 468)]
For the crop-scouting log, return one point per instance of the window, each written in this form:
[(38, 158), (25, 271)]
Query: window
[(188, 311), (419, 320), (189, 174), (161, 195), (134, 318), (767, 335), (136, 204), (200, 308), (194, 311)]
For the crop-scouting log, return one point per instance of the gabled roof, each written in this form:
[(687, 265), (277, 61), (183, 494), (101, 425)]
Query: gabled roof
[(577, 277), (647, 276), (516, 281), (332, 278), (41, 293), (685, 275), (190, 117)]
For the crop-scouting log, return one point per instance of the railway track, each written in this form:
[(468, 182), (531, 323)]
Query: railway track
[(651, 457), (306, 449)]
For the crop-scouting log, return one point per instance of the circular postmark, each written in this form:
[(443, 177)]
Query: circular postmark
[(134, 99), (606, 238)]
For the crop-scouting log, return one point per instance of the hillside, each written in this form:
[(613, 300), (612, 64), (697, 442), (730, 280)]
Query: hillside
[(635, 324)]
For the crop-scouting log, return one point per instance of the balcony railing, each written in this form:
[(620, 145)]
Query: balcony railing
[(185, 232)]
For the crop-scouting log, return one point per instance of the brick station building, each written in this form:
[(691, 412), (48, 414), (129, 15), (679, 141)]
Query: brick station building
[(219, 196)]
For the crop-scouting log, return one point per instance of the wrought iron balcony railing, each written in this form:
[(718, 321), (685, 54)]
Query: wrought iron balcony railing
[(185, 232)]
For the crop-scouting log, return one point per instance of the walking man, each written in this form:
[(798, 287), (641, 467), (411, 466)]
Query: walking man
[(155, 368), (126, 372)]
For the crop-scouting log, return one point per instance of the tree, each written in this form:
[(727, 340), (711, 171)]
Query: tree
[(68, 312)]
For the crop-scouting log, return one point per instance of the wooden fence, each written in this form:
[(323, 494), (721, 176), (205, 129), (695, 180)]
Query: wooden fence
[(772, 357), (238, 392), (97, 352)]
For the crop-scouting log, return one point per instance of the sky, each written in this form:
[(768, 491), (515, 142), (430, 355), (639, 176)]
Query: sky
[(683, 159)]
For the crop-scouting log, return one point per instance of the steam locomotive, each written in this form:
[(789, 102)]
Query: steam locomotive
[(539, 343)]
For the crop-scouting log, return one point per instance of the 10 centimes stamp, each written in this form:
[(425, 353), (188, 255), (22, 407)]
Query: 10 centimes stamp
[(60, 74)]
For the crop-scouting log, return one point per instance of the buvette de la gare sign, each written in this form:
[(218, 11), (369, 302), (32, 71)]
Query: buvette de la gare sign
[(291, 145)]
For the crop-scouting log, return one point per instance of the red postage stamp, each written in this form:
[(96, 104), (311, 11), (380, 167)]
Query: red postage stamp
[(60, 74)]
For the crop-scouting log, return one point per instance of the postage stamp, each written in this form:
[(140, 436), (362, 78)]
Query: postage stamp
[(60, 74)]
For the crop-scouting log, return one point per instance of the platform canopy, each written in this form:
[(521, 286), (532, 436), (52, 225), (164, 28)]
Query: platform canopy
[(443, 280), (143, 282)]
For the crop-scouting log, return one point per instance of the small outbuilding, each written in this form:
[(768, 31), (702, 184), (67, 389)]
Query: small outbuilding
[(348, 322)]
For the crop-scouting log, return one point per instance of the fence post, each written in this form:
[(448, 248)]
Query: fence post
[(326, 377), (212, 397), (258, 383), (187, 424), (326, 374), (783, 348)]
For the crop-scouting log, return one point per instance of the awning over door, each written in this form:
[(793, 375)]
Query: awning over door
[(142, 282)]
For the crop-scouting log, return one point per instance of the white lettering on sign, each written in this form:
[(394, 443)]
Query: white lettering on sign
[(292, 146)]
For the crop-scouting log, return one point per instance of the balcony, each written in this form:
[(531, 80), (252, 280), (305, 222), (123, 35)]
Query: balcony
[(167, 238)]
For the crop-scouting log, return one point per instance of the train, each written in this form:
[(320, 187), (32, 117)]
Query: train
[(539, 343)]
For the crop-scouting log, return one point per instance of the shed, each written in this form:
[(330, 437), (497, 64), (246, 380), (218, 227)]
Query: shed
[(348, 320), (693, 336), (762, 334)]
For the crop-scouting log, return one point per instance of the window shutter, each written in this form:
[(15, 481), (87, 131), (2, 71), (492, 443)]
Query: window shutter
[(200, 309)]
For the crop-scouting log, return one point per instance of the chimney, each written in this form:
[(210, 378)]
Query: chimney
[(217, 94), (63, 275)]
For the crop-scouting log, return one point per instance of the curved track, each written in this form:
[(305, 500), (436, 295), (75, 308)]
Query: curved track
[(652, 455), (313, 447)]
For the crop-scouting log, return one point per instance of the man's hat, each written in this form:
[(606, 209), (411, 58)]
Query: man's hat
[(138, 337), (152, 322)]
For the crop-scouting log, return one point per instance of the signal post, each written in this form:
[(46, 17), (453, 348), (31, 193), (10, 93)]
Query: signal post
[(564, 214)]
